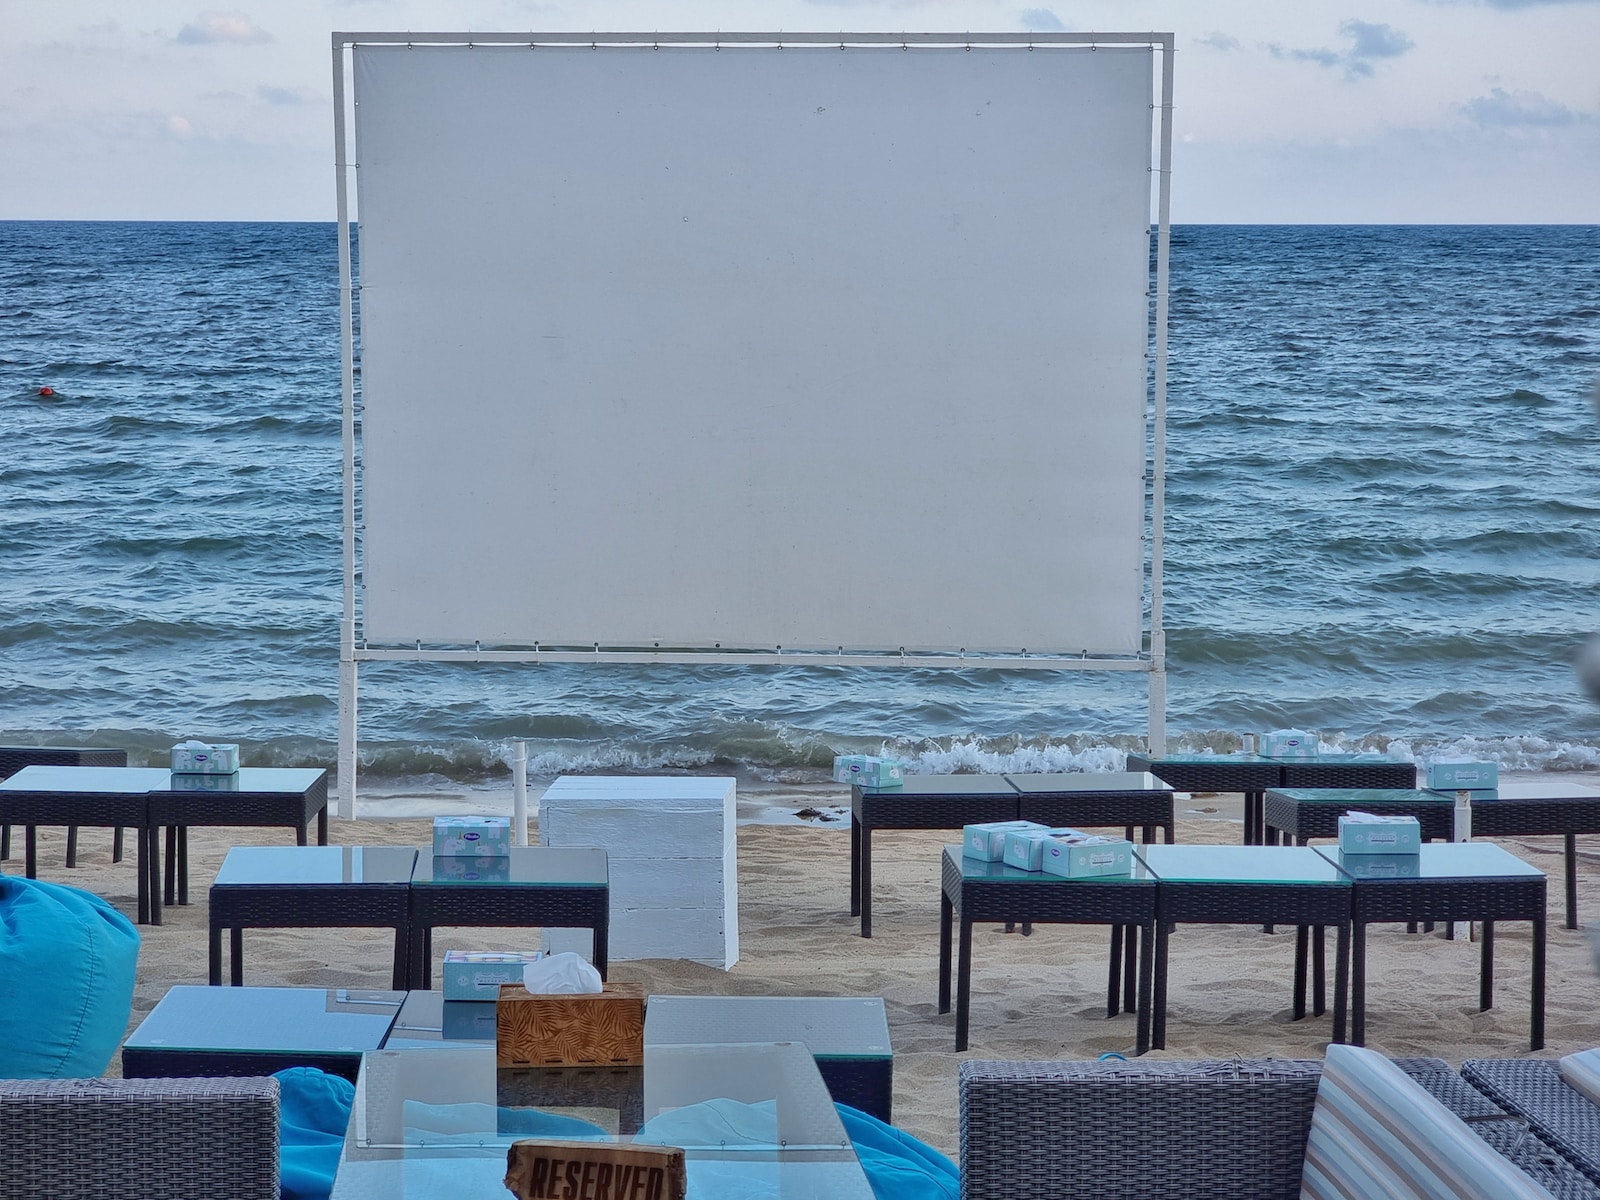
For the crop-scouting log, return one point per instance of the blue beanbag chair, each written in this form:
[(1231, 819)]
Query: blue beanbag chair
[(898, 1166), (67, 965), (313, 1110)]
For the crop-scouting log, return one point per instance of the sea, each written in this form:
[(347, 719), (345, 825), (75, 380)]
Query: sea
[(1382, 526)]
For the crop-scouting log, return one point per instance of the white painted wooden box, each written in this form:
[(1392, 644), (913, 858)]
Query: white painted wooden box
[(673, 862)]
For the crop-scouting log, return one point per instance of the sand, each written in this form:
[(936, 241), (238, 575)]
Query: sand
[(1036, 997)]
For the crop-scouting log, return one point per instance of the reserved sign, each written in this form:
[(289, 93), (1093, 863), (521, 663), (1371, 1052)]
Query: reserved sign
[(539, 1169)]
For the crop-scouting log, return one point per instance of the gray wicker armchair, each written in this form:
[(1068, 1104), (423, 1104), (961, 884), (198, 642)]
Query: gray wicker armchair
[(153, 1139), (1208, 1130)]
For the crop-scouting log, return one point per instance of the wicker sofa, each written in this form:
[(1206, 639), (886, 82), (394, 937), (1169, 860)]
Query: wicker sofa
[(1532, 1088), (1207, 1130), (154, 1139)]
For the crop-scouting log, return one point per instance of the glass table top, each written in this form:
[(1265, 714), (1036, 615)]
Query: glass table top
[(829, 1026), (1346, 760), (1445, 860), (1532, 789), (543, 866), (947, 785), (1239, 864), (317, 865), (428, 1019), (753, 1119), (1089, 781), (1361, 798), (267, 1019), (977, 868), (142, 780)]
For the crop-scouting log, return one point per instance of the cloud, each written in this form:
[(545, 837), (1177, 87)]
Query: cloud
[(1502, 109), (1041, 20), (1368, 41), (210, 28), (1512, 5), (179, 127), (1220, 41), (288, 97)]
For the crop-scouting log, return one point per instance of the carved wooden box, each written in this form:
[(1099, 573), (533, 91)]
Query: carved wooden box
[(541, 1031)]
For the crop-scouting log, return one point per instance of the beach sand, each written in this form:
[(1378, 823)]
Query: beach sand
[(1036, 997)]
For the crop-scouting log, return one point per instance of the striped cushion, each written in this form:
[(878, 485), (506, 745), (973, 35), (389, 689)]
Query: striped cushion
[(1582, 1073), (1375, 1133)]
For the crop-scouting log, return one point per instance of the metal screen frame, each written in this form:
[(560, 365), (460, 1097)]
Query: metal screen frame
[(353, 648)]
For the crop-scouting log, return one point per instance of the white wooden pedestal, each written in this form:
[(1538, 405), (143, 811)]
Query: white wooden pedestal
[(673, 862)]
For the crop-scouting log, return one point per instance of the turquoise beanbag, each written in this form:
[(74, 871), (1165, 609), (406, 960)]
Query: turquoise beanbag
[(313, 1109), (67, 965)]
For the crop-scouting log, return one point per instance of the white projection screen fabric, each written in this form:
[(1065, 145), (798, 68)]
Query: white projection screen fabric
[(753, 347)]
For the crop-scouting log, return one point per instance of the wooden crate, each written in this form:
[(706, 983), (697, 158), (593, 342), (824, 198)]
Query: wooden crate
[(541, 1031)]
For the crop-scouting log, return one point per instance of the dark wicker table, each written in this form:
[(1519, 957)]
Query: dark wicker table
[(973, 890), (1454, 881), (1348, 771), (1093, 800), (14, 758), (1299, 814), (1247, 773), (1527, 808), (1251, 885), (312, 887), (547, 887), (924, 802), (206, 1031), (104, 797)]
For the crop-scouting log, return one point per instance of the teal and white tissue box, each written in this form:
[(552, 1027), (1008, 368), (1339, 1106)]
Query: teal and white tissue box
[(1024, 848), (987, 841), (1382, 866), (1086, 856), (478, 974), (471, 868), (202, 758), (1369, 833), (869, 771), (1463, 776), (472, 837), (1289, 743)]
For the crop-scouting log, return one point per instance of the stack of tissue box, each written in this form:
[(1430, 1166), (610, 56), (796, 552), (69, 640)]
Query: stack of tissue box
[(1482, 779), (201, 758), (1030, 846), (1289, 743), (1369, 833), (869, 771), (987, 841), (471, 837)]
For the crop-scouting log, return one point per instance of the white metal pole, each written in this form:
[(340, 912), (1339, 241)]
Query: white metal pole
[(1158, 450), (348, 679), (519, 790)]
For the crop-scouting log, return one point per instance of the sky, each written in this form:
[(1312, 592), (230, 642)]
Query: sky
[(1286, 111)]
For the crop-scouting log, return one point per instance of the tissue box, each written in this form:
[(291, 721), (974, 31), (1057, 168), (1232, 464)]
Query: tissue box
[(1463, 776), (867, 771), (199, 758), (478, 974), (1382, 866), (1024, 848), (1385, 835), (468, 1020), (988, 840), (1085, 856), (568, 1031), (472, 837), (472, 870), (1289, 743)]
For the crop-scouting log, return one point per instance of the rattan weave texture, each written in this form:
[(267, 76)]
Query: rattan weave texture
[(1534, 1090)]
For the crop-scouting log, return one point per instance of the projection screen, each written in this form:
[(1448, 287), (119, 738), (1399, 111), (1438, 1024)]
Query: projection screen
[(807, 346)]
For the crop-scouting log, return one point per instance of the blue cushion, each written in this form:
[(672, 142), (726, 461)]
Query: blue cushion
[(67, 966), (313, 1110), (898, 1166)]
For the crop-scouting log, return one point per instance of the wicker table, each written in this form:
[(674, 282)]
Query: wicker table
[(312, 887), (1251, 885), (104, 797), (14, 758), (554, 887), (847, 1035), (206, 1031), (924, 802), (1247, 773), (1526, 808), (283, 797), (1454, 881), (1092, 800), (974, 890), (1304, 813), (1348, 771)]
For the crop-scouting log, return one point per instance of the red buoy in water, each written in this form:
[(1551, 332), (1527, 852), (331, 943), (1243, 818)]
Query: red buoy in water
[(47, 391)]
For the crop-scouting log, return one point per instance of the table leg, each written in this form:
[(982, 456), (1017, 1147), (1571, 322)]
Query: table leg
[(1146, 969), (865, 871), (1158, 999), (5, 842), (1358, 983), (1341, 978), (183, 864), (1113, 973), (1319, 971), (116, 845), (401, 974), (150, 870), (946, 912), (1572, 880), (215, 956), (236, 955), (30, 852), (322, 826), (1172, 832), (1130, 981), (1486, 968), (1300, 935), (602, 940), (172, 865), (963, 983), (72, 845), (300, 834), (855, 866), (1252, 801), (1536, 1018)]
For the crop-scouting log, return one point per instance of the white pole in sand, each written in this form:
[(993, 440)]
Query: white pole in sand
[(1462, 832), (519, 790)]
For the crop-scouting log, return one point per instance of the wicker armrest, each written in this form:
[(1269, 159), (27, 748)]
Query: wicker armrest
[(1211, 1130), (177, 1139), (1534, 1090)]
